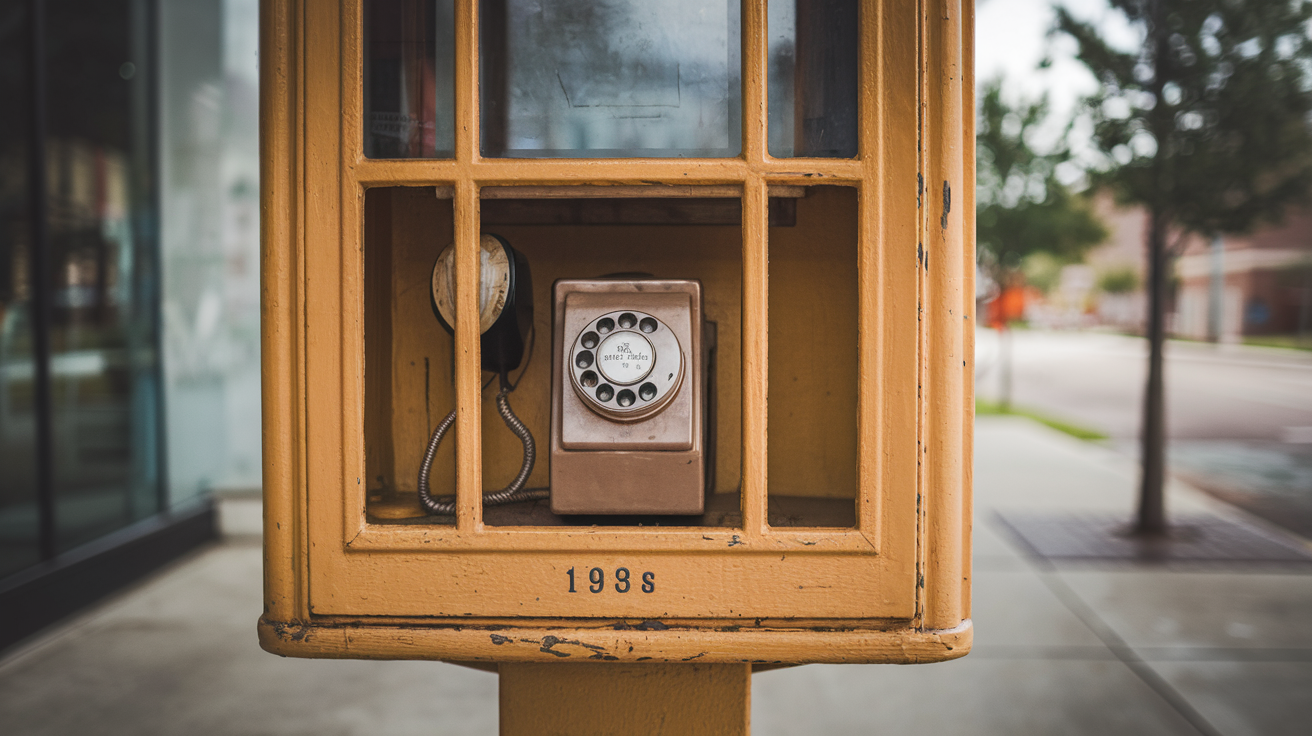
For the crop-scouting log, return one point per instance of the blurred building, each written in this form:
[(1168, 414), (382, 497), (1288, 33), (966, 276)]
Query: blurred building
[(129, 293), (1225, 289), (1248, 285)]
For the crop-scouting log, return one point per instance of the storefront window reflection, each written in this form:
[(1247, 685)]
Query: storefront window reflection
[(104, 393), (19, 517)]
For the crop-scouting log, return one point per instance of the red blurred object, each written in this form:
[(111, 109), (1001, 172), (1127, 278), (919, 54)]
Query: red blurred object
[(1007, 307)]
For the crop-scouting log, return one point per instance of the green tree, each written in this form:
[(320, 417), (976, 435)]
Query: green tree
[(1023, 210), (1205, 125), (1022, 207)]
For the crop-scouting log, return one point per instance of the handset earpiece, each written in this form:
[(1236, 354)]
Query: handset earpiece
[(505, 300)]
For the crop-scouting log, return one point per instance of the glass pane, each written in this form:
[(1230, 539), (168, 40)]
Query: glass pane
[(19, 545), (813, 382), (409, 73), (610, 78), (102, 267), (813, 68), (409, 367)]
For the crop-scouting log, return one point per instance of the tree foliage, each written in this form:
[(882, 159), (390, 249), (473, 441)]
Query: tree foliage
[(1206, 122), (1022, 207)]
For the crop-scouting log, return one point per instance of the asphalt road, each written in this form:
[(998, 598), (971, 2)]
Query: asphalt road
[(1213, 392), (1239, 418)]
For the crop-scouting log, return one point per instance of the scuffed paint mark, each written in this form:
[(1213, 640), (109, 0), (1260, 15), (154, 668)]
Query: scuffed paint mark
[(947, 204), (650, 625), (735, 541), (695, 656), (499, 639), (920, 188), (549, 642)]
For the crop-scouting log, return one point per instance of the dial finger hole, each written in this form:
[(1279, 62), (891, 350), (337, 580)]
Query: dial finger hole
[(604, 325), (647, 325), (583, 359), (625, 398), (605, 392), (647, 391), (588, 379), (590, 340), (627, 320)]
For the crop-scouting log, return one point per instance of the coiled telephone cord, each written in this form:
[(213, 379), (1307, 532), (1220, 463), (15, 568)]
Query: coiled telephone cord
[(516, 491)]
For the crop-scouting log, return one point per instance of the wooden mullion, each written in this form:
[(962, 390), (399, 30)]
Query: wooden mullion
[(755, 71), (673, 171), (352, 54), (755, 373), (469, 462), (467, 130)]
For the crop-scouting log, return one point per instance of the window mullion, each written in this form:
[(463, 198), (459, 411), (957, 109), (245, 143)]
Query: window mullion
[(467, 130), (755, 352)]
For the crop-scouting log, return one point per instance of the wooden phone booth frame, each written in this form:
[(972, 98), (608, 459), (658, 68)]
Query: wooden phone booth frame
[(894, 588)]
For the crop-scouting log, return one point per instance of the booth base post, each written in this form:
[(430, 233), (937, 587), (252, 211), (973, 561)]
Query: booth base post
[(578, 698)]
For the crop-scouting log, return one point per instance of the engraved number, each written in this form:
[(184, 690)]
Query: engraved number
[(623, 580)]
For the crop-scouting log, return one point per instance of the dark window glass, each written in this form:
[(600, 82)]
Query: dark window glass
[(19, 526), (409, 71), (813, 69), (103, 273), (610, 78)]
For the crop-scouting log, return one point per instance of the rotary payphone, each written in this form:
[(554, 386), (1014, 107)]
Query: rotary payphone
[(629, 429)]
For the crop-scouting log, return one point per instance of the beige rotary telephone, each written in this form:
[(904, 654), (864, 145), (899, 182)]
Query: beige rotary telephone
[(628, 389)]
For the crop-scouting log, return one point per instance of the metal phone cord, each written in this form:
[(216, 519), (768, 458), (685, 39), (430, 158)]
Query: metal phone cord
[(446, 505)]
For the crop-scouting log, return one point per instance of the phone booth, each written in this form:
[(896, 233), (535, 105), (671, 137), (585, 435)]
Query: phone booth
[(631, 336)]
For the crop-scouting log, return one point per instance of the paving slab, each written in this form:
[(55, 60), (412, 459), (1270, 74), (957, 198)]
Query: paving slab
[(1246, 698), (178, 655), (1218, 608), (993, 549), (1015, 610), (976, 695)]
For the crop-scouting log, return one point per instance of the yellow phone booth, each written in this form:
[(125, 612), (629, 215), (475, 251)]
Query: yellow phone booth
[(619, 347)]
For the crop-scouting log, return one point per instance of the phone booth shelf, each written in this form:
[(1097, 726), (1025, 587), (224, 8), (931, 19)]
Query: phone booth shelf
[(357, 371)]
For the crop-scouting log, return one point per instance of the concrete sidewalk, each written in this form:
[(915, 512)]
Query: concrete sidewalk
[(1091, 649)]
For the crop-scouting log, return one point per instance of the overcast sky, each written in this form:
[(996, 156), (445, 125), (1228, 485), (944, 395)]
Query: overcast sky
[(1011, 37)]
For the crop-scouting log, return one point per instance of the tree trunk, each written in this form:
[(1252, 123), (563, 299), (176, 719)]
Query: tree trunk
[(1152, 501)]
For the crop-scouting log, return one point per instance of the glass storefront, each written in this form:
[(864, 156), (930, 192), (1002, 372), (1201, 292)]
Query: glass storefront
[(20, 537), (80, 442)]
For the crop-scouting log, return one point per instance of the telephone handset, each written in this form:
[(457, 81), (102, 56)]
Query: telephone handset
[(505, 320), (628, 391)]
